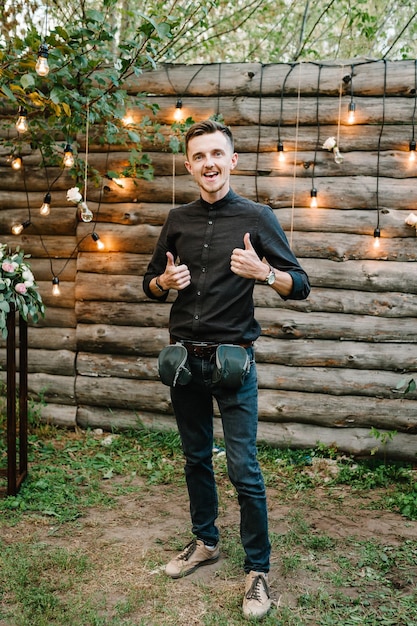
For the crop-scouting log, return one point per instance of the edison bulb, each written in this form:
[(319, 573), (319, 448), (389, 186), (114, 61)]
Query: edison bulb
[(42, 67)]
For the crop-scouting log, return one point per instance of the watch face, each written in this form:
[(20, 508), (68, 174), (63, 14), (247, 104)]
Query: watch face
[(270, 278)]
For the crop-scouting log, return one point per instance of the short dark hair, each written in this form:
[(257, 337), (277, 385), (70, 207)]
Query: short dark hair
[(208, 127)]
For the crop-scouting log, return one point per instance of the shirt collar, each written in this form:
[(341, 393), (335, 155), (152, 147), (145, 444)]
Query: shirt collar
[(219, 203)]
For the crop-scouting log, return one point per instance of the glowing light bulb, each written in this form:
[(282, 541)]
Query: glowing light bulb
[(22, 122), (55, 286), (68, 159), (46, 205), (127, 120), (351, 112), (377, 235), (18, 228), (281, 153), (178, 112), (313, 201), (95, 237), (412, 147), (42, 67), (17, 163)]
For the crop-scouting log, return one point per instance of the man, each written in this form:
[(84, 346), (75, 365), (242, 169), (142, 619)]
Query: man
[(210, 251)]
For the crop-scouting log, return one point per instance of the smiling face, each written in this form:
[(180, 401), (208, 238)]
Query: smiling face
[(210, 160)]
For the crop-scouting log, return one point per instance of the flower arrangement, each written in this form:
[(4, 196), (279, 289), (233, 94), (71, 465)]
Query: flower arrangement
[(331, 145), (73, 195), (17, 287)]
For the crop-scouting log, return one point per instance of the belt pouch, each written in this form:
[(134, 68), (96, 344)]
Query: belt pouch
[(232, 365), (173, 366)]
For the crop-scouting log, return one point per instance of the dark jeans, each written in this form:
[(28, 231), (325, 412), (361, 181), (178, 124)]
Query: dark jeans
[(193, 407)]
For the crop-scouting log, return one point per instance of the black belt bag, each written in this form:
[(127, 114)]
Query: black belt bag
[(173, 366), (232, 365)]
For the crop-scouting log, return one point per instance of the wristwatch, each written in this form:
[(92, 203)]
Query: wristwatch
[(161, 289), (270, 279)]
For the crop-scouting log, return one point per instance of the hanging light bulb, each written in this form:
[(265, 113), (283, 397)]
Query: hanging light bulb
[(127, 120), (46, 205), (17, 163), (377, 235), (178, 112), (42, 67), (55, 286), (68, 159), (313, 201), (281, 153), (351, 112), (18, 228), (22, 121), (95, 237), (412, 146), (85, 213)]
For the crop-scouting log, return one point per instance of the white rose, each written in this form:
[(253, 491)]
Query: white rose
[(73, 195), (330, 143), (411, 220), (28, 276)]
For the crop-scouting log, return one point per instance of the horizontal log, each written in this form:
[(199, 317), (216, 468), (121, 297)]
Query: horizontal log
[(62, 415), (46, 247), (119, 263), (342, 301), (346, 354), (276, 406), (347, 192), (120, 339), (247, 110), (358, 442), (57, 362), (61, 221), (389, 163), (123, 314), (353, 441), (59, 317), (333, 381), (338, 411), (376, 276), (139, 239), (49, 387), (118, 366), (248, 78), (339, 326)]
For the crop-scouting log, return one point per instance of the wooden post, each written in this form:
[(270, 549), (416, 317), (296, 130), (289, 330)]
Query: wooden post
[(16, 471)]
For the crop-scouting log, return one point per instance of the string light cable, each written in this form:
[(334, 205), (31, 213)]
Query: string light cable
[(313, 192), (297, 126), (280, 145), (377, 231)]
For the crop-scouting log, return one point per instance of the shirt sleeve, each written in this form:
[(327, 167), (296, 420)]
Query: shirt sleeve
[(158, 263), (272, 243)]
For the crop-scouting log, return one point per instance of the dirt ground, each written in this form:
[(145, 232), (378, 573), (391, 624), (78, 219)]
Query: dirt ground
[(130, 543)]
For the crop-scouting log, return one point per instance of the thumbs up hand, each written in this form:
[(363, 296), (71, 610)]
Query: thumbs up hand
[(175, 276), (246, 263)]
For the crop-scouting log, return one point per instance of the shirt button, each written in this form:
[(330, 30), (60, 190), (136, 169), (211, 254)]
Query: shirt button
[(196, 317), (210, 222), (199, 293), (206, 245), (203, 269)]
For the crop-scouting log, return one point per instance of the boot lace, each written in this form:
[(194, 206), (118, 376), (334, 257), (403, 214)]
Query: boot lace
[(188, 551), (254, 592)]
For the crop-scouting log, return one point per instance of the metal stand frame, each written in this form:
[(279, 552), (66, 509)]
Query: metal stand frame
[(17, 436)]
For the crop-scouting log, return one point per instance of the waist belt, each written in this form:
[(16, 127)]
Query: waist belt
[(203, 349)]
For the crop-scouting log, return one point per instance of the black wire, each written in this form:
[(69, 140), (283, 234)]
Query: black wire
[(282, 100), (259, 131), (318, 125), (379, 140), (415, 98)]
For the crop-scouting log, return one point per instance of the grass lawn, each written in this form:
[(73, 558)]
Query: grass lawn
[(85, 541)]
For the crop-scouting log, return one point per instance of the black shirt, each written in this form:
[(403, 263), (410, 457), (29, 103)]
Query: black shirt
[(218, 305)]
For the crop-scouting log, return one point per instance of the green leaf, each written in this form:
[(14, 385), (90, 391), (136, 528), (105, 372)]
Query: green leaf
[(27, 80)]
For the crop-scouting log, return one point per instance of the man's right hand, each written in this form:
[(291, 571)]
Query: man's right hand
[(175, 276)]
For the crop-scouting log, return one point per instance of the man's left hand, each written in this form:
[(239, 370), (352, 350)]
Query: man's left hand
[(246, 263)]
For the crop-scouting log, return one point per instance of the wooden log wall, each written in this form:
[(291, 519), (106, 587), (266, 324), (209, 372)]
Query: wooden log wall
[(329, 366)]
